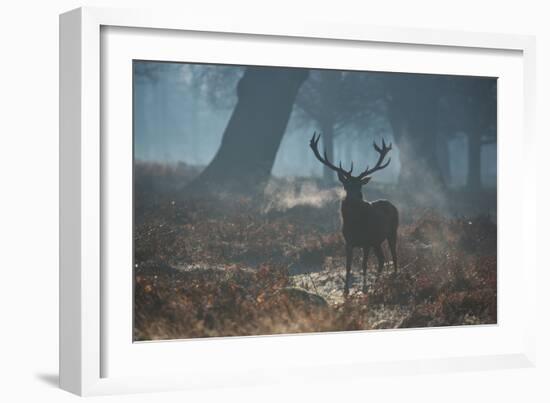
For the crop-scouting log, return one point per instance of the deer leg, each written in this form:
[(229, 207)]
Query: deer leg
[(349, 257), (380, 256), (366, 250), (392, 240)]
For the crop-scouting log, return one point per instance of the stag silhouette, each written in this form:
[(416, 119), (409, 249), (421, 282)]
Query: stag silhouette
[(364, 224)]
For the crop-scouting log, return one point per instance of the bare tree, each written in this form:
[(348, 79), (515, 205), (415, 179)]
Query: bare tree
[(253, 134), (470, 106), (336, 100), (413, 109)]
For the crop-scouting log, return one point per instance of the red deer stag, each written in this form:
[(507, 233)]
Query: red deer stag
[(364, 224)]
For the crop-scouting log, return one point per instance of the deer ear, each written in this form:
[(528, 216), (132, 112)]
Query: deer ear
[(341, 177), (365, 180)]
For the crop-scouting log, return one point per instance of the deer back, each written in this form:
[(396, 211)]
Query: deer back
[(365, 224)]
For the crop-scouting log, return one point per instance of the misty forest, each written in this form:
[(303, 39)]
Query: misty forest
[(273, 200)]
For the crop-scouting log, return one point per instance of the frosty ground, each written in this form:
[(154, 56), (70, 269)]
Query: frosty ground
[(234, 266)]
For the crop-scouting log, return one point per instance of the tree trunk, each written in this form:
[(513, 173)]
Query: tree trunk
[(194, 139), (443, 157), (413, 113), (349, 143), (413, 117), (420, 167), (252, 137), (327, 130), (474, 161)]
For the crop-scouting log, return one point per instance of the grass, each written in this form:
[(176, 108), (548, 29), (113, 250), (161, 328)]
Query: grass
[(237, 266)]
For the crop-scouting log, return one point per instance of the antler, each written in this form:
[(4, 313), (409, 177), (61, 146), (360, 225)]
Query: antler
[(382, 151), (313, 143)]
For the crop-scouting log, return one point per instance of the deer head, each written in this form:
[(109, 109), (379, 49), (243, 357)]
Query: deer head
[(352, 184)]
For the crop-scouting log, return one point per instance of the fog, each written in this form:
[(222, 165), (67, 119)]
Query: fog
[(181, 112), (245, 223)]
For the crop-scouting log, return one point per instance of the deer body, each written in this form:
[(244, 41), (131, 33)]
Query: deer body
[(368, 224), (365, 225)]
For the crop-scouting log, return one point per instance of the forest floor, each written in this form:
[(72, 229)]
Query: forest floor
[(235, 267)]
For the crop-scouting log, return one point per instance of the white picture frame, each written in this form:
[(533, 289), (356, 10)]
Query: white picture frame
[(86, 303)]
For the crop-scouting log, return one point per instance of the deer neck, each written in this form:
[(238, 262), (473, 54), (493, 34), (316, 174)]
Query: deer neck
[(353, 202), (354, 210), (356, 197)]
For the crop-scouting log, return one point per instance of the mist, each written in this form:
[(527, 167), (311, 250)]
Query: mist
[(246, 222), (181, 111)]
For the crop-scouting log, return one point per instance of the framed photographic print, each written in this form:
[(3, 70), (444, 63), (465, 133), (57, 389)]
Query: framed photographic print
[(237, 196)]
